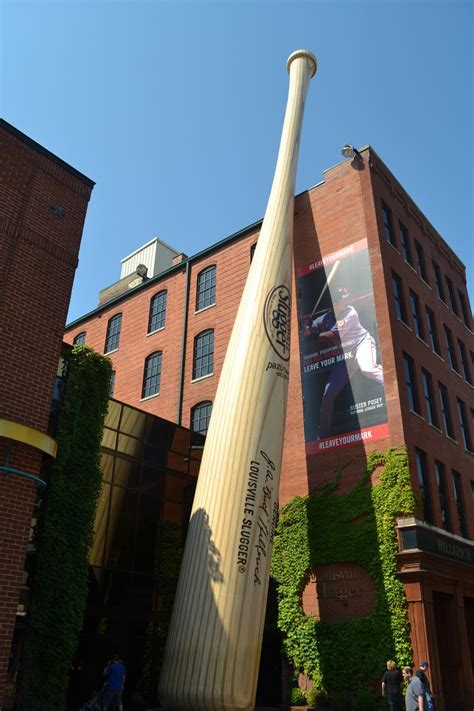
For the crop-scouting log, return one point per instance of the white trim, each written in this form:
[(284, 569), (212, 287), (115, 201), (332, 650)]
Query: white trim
[(203, 377)]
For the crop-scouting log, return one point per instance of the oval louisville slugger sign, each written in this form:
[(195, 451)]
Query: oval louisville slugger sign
[(276, 318)]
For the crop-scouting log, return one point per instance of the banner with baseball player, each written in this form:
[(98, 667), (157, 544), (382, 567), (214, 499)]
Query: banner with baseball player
[(342, 374)]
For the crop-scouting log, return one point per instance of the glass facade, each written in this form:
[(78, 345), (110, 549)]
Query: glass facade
[(149, 468)]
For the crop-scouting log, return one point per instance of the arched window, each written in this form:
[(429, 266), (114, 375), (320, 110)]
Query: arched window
[(152, 375), (206, 288), (80, 339), (200, 416), (203, 360), (157, 317), (112, 338)]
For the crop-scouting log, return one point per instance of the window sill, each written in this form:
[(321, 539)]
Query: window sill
[(157, 330), (436, 428), (422, 340), (456, 372), (425, 282), (438, 355), (206, 308), (112, 351), (451, 439), (404, 324), (203, 377), (149, 397), (417, 414), (394, 247)]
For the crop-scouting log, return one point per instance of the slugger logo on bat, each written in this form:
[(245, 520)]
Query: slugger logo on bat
[(276, 318)]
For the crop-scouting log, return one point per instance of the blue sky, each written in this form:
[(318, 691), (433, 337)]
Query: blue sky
[(175, 109)]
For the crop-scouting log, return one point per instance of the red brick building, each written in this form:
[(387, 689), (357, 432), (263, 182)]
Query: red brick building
[(167, 331), (43, 203)]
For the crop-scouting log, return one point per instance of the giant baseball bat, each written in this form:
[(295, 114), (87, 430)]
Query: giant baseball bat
[(213, 648)]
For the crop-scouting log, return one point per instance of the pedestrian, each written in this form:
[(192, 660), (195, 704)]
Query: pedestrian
[(113, 690), (391, 686), (421, 674), (414, 695)]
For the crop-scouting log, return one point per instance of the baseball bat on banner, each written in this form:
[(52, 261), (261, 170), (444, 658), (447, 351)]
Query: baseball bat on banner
[(214, 641), (331, 276)]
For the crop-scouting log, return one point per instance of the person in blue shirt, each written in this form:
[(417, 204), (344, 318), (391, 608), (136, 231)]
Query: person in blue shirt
[(115, 673)]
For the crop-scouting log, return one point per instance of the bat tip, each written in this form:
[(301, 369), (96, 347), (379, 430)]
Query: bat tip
[(303, 54)]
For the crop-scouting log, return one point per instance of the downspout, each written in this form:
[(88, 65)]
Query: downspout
[(183, 344)]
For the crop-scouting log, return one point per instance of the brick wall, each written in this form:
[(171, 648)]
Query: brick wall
[(38, 258)]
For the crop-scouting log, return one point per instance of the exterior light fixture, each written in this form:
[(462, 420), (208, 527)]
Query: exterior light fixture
[(348, 151)]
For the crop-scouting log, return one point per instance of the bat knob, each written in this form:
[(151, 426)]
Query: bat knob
[(303, 54)]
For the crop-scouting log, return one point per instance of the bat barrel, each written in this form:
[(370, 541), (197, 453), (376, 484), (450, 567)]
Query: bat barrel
[(213, 648)]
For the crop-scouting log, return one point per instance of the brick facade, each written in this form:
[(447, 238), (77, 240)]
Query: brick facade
[(43, 204), (344, 208)]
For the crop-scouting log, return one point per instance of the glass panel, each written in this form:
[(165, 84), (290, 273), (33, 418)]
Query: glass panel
[(100, 526), (114, 412)]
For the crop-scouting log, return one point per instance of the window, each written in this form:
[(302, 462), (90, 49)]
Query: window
[(438, 282), (112, 384), (200, 416), (112, 339), (458, 498), (446, 411), (464, 310), (430, 403), (405, 242), (206, 288), (443, 497), (410, 381), (152, 375), (464, 361), (466, 434), (399, 298), (387, 225), (452, 296), (157, 317), (252, 251), (80, 339), (432, 331), (453, 360), (420, 258), (416, 315), (424, 482), (203, 363)]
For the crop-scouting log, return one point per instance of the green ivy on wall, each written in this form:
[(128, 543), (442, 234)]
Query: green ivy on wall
[(358, 528), (59, 584)]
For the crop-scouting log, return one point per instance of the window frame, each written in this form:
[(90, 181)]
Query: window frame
[(452, 357), (194, 410), (420, 261), (152, 379), (405, 244), (160, 312), (429, 396), (433, 331), (79, 339), (387, 220), (440, 476), (452, 296), (203, 371), (203, 301), (438, 277), (116, 335), (409, 372), (446, 416), (464, 424), (459, 503), (417, 319), (423, 478), (399, 298)]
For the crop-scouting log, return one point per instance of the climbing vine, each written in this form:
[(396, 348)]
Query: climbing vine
[(358, 528), (59, 581)]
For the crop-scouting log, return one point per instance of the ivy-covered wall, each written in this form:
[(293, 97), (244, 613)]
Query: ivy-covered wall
[(358, 528), (59, 580)]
